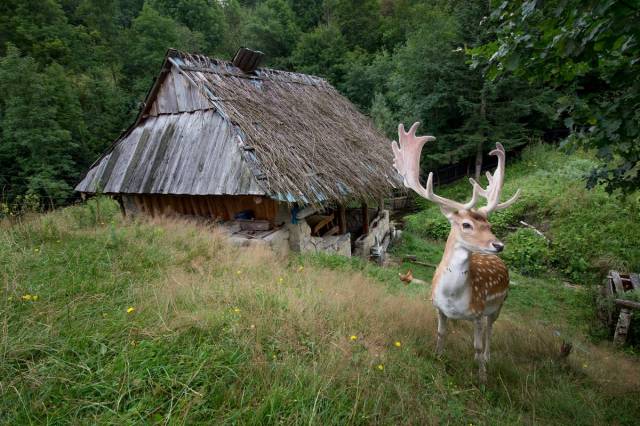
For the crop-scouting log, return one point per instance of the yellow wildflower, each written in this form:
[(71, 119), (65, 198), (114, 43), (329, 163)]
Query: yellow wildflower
[(584, 365), (130, 309), (380, 367), (34, 297), (354, 337), (36, 250), (397, 344), (300, 268), (26, 297), (238, 272), (236, 310), (280, 280)]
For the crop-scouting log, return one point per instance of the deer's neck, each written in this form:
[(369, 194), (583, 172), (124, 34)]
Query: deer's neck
[(453, 270)]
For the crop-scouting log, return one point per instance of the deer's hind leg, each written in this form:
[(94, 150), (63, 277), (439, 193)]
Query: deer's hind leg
[(487, 334)]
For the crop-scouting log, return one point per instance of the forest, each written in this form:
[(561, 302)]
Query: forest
[(73, 74)]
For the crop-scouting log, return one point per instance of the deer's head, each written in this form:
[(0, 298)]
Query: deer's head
[(469, 226)]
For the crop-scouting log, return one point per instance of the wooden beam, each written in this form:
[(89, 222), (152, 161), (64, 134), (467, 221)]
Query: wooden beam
[(627, 303), (342, 219), (365, 218)]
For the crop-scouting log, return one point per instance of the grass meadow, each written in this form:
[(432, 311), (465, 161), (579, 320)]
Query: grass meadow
[(112, 321)]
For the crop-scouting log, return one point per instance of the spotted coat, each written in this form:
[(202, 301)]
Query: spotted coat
[(489, 280)]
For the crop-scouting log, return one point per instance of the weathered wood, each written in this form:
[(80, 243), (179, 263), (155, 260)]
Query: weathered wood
[(193, 153), (627, 303), (365, 218), (331, 231), (430, 265), (317, 222), (534, 229), (253, 225), (342, 218), (222, 207), (306, 212), (617, 282), (622, 328), (414, 259), (635, 281), (261, 113)]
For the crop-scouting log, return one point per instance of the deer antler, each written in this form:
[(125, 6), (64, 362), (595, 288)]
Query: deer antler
[(493, 190), (407, 162)]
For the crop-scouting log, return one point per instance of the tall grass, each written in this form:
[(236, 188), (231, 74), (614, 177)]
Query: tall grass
[(164, 322)]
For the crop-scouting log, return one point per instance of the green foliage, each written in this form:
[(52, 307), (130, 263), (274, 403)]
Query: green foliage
[(589, 231), (271, 28), (321, 52), (41, 125), (588, 51), (97, 211), (20, 206), (527, 252), (430, 224), (148, 39)]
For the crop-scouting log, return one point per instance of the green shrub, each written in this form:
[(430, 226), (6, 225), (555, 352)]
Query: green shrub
[(429, 223), (96, 211), (527, 252)]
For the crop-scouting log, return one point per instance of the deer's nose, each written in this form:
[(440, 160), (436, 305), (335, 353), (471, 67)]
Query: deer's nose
[(498, 246)]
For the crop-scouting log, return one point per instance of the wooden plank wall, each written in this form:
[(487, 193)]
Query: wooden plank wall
[(177, 94), (222, 207)]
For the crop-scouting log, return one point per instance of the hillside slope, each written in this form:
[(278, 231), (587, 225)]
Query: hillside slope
[(107, 321), (588, 231)]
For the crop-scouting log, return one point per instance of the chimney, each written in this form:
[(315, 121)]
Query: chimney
[(247, 60)]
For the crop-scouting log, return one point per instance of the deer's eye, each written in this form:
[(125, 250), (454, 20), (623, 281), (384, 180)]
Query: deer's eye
[(466, 225)]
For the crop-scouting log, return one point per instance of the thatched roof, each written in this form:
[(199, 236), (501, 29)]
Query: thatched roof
[(208, 128)]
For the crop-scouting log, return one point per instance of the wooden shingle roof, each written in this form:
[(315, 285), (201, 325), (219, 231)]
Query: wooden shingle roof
[(207, 128)]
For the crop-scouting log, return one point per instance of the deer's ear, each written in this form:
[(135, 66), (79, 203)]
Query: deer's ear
[(449, 213)]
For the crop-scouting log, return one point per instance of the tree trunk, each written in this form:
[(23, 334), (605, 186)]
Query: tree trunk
[(480, 146)]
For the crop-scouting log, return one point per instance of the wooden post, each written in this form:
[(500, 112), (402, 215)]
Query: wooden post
[(622, 328), (120, 201), (342, 219), (380, 205), (365, 218)]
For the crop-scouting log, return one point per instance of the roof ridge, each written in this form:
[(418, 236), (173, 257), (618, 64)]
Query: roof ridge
[(227, 68)]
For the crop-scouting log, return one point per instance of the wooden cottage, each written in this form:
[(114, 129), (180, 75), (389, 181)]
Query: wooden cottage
[(269, 153)]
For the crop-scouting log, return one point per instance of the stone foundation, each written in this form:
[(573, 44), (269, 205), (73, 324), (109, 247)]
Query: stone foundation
[(301, 240), (277, 241), (378, 229)]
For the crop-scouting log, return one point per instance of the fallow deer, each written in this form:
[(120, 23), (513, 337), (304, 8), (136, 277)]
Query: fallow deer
[(471, 282)]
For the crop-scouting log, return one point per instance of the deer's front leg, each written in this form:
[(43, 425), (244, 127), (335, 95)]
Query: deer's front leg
[(478, 345), (442, 332)]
